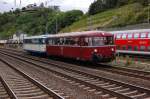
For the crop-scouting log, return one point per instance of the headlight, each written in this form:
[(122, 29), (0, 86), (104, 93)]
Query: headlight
[(95, 50)]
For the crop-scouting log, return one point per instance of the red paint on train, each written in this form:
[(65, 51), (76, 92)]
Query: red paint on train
[(88, 46), (133, 40)]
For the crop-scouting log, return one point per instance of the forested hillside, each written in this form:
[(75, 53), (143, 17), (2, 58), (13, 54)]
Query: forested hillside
[(117, 17), (36, 22)]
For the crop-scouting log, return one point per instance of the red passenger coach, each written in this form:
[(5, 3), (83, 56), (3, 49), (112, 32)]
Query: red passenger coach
[(133, 41), (94, 46)]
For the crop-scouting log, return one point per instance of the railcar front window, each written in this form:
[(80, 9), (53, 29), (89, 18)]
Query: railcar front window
[(98, 41)]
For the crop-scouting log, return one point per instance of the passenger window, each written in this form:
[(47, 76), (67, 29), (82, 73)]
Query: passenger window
[(124, 36), (84, 42), (118, 47), (136, 35), (129, 36), (148, 48), (118, 36), (50, 41), (143, 35), (148, 35), (90, 41), (42, 41), (130, 47), (61, 41), (71, 41), (124, 47), (35, 41), (57, 41), (135, 48), (76, 40), (142, 48)]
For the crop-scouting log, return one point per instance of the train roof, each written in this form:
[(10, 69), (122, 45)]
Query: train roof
[(36, 37), (72, 34), (130, 31), (3, 41), (84, 33)]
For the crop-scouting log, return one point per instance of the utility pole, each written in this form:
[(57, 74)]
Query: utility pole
[(56, 26), (15, 3)]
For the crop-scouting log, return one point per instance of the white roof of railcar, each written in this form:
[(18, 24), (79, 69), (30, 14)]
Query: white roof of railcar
[(78, 33), (130, 31), (69, 34), (3, 41), (36, 37)]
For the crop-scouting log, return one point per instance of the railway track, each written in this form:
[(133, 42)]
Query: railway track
[(117, 70), (22, 85), (5, 91), (107, 88)]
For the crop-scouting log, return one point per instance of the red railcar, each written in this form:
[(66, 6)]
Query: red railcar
[(133, 41), (94, 46)]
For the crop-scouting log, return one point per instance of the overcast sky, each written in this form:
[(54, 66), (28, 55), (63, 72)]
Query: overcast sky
[(6, 5)]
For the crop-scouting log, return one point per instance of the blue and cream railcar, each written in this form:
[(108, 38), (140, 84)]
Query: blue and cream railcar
[(35, 44)]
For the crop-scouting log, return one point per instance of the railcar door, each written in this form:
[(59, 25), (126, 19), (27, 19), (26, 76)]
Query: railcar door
[(85, 51)]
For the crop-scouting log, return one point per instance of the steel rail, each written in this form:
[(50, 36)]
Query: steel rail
[(37, 83), (11, 94), (113, 93)]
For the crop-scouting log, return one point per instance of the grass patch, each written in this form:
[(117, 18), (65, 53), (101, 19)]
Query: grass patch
[(118, 17)]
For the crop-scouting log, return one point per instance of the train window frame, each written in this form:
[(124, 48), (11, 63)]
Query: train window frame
[(118, 47), (148, 48), (135, 48), (148, 35), (84, 41), (130, 36), (124, 36), (61, 41), (50, 41), (136, 35), (129, 48), (118, 36), (124, 47), (109, 40), (71, 41), (96, 39), (90, 43), (142, 49), (143, 35), (35, 41)]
